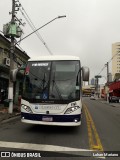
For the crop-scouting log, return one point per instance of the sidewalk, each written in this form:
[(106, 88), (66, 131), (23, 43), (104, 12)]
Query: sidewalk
[(4, 115), (111, 104)]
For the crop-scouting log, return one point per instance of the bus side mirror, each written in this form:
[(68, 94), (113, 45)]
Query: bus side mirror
[(85, 73), (13, 74)]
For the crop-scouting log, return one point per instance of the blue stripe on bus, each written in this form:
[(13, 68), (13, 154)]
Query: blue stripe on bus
[(56, 118)]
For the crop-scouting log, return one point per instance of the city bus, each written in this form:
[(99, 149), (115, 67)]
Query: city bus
[(52, 90)]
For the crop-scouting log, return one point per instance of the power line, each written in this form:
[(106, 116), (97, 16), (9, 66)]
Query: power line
[(101, 70), (113, 57), (109, 62), (27, 18), (41, 27)]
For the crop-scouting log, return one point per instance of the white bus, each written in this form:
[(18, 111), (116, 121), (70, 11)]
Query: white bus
[(52, 91)]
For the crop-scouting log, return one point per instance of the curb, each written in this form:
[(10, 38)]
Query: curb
[(10, 118), (109, 104)]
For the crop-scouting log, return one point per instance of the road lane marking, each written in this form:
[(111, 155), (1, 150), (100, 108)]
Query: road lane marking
[(45, 147), (39, 147), (94, 140), (49, 148)]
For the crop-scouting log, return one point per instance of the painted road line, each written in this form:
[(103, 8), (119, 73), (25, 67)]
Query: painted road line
[(94, 140), (49, 148), (39, 147)]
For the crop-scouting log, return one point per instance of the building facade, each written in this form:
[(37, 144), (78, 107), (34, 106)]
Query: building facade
[(116, 59), (20, 58)]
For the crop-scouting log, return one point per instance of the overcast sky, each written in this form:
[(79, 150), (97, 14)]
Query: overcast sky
[(88, 31)]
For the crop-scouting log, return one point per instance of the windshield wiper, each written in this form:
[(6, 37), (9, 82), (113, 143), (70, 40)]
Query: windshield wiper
[(57, 89), (43, 81), (42, 85)]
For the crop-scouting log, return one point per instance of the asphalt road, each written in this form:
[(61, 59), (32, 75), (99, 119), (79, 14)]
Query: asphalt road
[(103, 119), (107, 122)]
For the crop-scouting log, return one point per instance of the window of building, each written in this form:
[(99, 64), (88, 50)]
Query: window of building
[(1, 50), (6, 52)]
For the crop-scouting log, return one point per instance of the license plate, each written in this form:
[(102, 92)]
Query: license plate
[(47, 119)]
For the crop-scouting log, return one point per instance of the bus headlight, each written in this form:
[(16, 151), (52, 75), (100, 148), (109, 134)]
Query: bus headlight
[(28, 109), (71, 109)]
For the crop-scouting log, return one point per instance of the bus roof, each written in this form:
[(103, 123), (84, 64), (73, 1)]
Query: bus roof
[(54, 57)]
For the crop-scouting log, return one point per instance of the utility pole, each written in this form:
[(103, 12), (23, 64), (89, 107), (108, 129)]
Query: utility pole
[(107, 65), (97, 84), (12, 30), (12, 49)]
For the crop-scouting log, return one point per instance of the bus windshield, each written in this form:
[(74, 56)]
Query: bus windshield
[(52, 81)]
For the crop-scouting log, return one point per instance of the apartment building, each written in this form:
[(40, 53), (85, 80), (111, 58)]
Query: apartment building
[(116, 59), (20, 58)]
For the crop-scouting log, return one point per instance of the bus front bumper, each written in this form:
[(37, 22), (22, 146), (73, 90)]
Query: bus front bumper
[(59, 120)]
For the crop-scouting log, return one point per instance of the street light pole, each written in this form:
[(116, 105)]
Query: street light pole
[(107, 65), (12, 49), (40, 28)]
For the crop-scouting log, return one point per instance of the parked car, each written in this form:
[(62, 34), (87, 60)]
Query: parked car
[(92, 97), (114, 99)]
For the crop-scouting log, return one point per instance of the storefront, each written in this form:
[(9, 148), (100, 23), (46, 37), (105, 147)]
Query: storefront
[(3, 89), (20, 58), (4, 81)]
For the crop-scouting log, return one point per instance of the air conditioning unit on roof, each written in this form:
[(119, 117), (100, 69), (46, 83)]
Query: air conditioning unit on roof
[(7, 61)]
